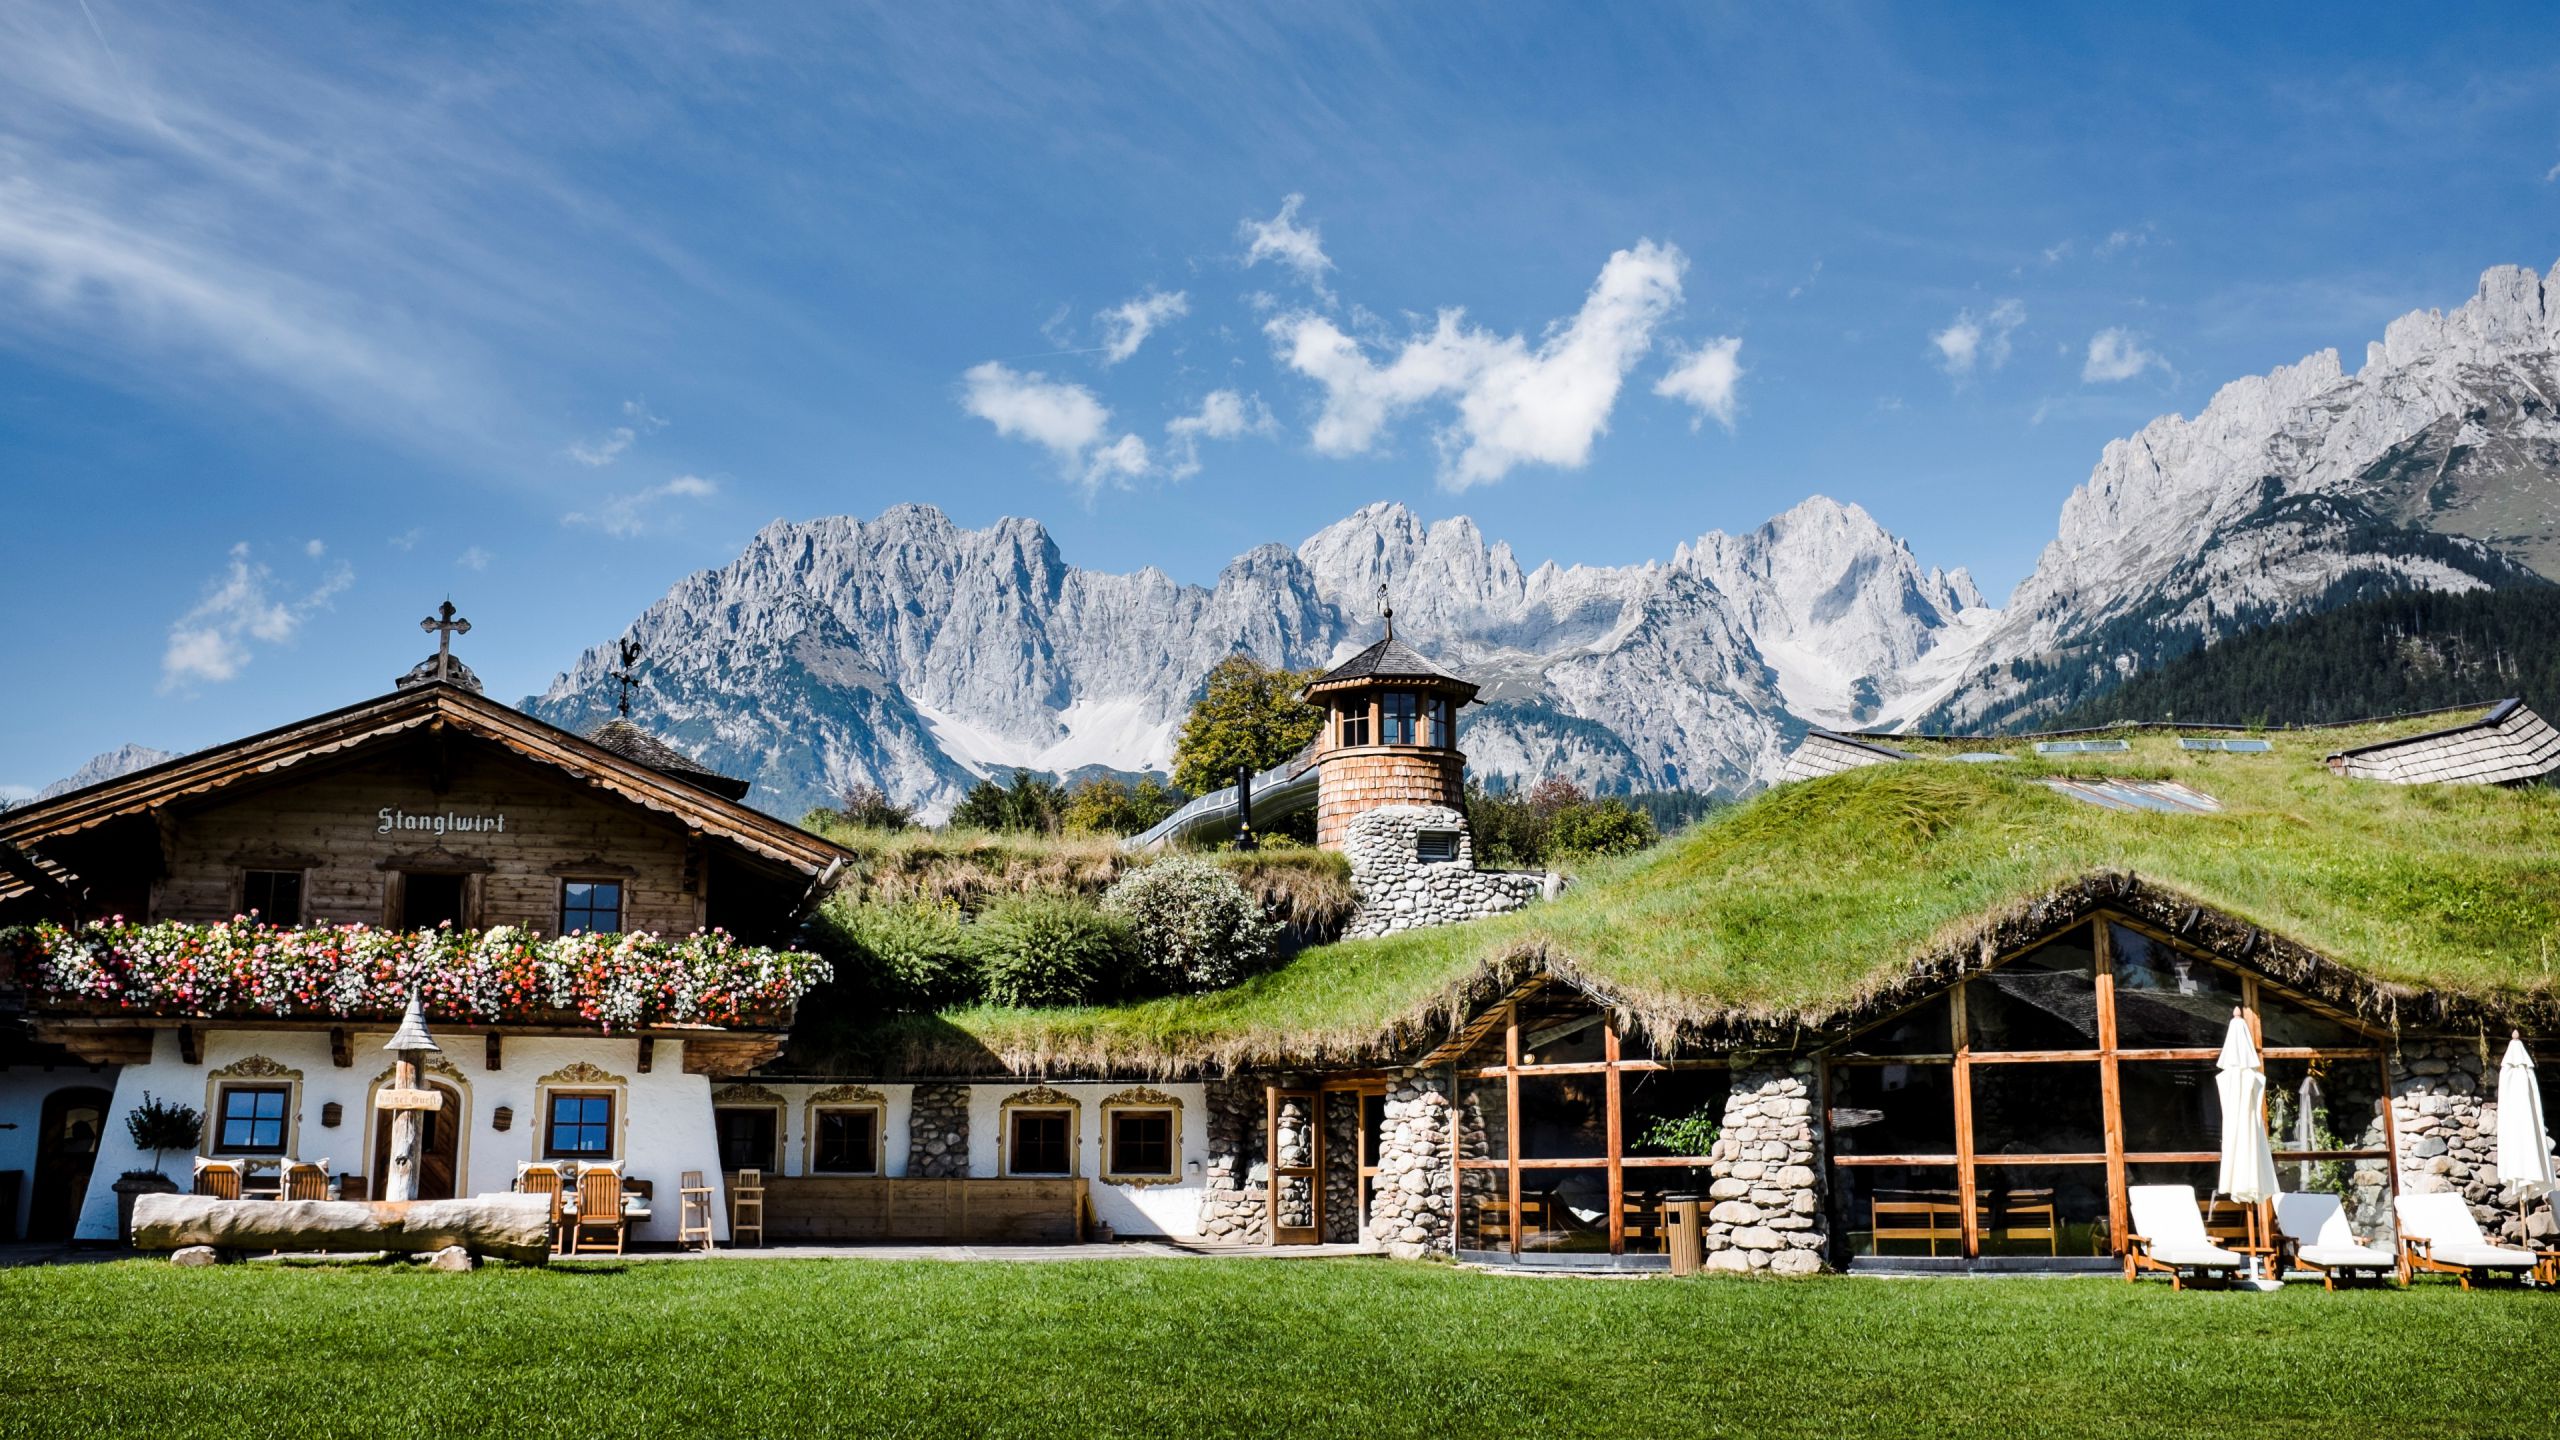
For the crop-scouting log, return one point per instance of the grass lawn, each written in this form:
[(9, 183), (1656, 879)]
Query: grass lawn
[(1300, 1348)]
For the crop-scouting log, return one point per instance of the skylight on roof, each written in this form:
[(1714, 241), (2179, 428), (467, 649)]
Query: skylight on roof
[(2230, 747), (2083, 747), (2163, 797), (1983, 757)]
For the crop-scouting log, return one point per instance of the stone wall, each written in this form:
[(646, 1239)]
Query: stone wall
[(1236, 1193), (1401, 891), (1411, 1214), (2444, 1107), (1341, 1167), (938, 1133), (1765, 1202), (1351, 782)]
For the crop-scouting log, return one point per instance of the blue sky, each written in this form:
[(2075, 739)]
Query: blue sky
[(309, 317)]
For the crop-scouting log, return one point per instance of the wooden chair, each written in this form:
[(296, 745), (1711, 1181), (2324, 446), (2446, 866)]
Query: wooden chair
[(219, 1179), (2169, 1235), (534, 1179), (1643, 1224), (303, 1181), (693, 1211), (599, 1209), (2439, 1234), (1915, 1217), (2025, 1215), (746, 1207)]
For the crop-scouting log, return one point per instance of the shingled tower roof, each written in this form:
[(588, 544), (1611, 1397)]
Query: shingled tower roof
[(642, 748), (1391, 660)]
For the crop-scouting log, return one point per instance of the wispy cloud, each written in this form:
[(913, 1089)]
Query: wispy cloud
[(1705, 379), (1515, 404), (407, 539), (1060, 416), (1969, 343), (474, 558), (2116, 354), (1127, 325), (637, 512), (1223, 415), (2119, 241), (1296, 248), (240, 610), (607, 448)]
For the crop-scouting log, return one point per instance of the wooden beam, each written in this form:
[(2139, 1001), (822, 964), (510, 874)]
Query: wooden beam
[(190, 1045), (2110, 1090), (1511, 1110), (1962, 1035), (495, 1048), (1609, 1046), (648, 1052), (341, 1048)]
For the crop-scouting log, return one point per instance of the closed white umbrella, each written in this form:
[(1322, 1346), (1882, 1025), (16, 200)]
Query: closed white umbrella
[(2524, 1142), (2248, 1168)]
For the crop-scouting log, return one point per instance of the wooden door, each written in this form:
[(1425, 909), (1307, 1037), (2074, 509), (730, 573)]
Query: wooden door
[(440, 1148), (66, 1151), (1297, 1166)]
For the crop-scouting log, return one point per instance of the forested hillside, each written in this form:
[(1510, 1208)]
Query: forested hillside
[(2410, 651)]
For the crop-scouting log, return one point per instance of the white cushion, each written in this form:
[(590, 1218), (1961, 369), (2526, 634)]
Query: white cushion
[(2311, 1218), (2166, 1215), (2347, 1257), (2440, 1218), (2193, 1254), (2482, 1257)]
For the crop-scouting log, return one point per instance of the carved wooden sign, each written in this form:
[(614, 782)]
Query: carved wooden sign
[(444, 822), (395, 1098)]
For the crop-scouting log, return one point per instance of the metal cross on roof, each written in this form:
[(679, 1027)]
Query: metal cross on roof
[(628, 675), (444, 625)]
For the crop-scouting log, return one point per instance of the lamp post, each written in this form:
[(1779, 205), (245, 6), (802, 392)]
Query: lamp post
[(409, 1100)]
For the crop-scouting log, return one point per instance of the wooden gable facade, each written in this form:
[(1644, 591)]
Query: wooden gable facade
[(432, 804)]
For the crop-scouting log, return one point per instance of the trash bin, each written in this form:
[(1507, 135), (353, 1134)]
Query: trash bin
[(1686, 1246)]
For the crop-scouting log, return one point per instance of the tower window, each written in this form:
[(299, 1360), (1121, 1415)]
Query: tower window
[(1397, 717), (1353, 723)]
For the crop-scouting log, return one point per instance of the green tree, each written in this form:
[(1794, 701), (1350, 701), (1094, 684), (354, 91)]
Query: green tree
[(1032, 802), (1050, 950), (1600, 827), (1103, 806), (1248, 714)]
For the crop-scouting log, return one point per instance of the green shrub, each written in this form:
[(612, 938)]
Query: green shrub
[(1600, 827), (913, 955), (160, 1126), (1050, 950), (1196, 928)]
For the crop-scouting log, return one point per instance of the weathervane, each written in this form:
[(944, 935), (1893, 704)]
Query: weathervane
[(1387, 608), (444, 625), (628, 675)]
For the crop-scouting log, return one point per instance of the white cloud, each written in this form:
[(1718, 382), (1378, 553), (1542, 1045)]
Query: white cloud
[(1298, 248), (1968, 342), (2551, 174), (637, 512), (2116, 354), (474, 558), (1126, 326), (315, 548), (1515, 405), (2057, 252), (2119, 241), (1705, 378), (213, 642), (1060, 416), (639, 421), (1223, 415), (408, 539)]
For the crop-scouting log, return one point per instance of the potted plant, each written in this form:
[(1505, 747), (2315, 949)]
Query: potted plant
[(158, 1126)]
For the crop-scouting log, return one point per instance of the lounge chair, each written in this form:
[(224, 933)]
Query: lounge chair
[(2168, 1234), (2438, 1233), (2314, 1227)]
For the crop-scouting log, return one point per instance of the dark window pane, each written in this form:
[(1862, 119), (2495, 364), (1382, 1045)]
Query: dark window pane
[(1484, 1118), (1354, 722), (1893, 1109), (1436, 847), (2046, 999), (1561, 1031), (847, 1141), (274, 896), (253, 1118), (1661, 1111), (592, 906), (1896, 1210), (2170, 1105), (2326, 1105), (1921, 1030), (2284, 1025), (581, 1126), (2167, 998), (1565, 1211), (427, 901), (746, 1136), (2042, 1209), (1141, 1142), (1039, 1142), (1444, 723), (2037, 1109), (1646, 1190), (1564, 1117)]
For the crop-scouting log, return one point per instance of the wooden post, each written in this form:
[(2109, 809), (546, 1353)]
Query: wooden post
[(408, 1100)]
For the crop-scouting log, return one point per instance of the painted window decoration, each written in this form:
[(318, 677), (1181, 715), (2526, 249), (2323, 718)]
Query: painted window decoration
[(274, 896), (1141, 1143), (1398, 715), (253, 1119), (581, 1127), (747, 1135), (848, 1141), (592, 907), (1039, 1143)]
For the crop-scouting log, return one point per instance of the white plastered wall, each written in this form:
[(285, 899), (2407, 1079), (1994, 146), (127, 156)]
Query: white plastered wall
[(1163, 1210), (663, 1120), (23, 1090)]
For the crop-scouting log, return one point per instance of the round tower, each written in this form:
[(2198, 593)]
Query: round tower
[(1390, 735)]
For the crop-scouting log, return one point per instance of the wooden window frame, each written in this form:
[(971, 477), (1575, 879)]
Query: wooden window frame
[(772, 1164), (1012, 1114), (613, 1099), (1113, 1172), (621, 906), (289, 1093), (817, 1145)]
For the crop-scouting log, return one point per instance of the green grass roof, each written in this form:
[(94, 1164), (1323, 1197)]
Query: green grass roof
[(1801, 904)]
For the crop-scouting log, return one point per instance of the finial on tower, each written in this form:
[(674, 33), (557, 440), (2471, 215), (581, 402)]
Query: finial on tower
[(444, 625), (628, 675), (1387, 608)]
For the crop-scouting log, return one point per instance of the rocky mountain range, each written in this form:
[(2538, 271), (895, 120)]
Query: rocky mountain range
[(913, 654)]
